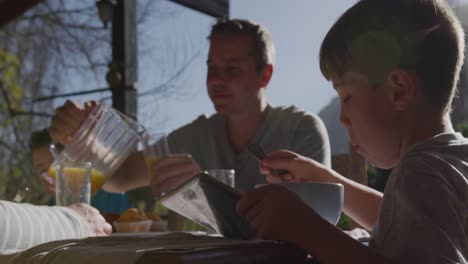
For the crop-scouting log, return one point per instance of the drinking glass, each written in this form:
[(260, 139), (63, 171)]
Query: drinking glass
[(72, 183), (155, 146), (226, 176)]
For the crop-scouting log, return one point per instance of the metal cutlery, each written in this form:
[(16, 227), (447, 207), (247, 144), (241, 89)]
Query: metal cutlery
[(256, 150)]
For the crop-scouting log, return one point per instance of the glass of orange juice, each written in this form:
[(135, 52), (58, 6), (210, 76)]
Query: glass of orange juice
[(155, 146), (72, 183), (97, 178)]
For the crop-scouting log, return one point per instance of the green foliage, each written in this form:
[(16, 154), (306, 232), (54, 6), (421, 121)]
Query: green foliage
[(8, 66), (10, 89), (462, 128), (16, 172), (377, 178), (344, 223)]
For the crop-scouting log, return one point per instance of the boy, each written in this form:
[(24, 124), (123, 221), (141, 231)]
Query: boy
[(395, 65)]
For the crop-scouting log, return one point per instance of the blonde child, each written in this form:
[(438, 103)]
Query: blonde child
[(395, 65)]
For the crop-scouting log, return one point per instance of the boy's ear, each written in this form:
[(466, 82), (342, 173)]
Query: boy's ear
[(402, 88), (267, 72)]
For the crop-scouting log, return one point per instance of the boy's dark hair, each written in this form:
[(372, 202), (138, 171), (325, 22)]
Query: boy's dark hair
[(264, 50), (40, 138), (374, 37)]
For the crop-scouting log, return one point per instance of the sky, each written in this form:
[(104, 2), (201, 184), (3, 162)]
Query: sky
[(297, 28), (173, 49), (172, 56)]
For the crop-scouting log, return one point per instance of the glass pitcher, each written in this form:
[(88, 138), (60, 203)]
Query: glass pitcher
[(106, 138)]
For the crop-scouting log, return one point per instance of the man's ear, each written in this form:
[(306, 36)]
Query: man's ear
[(267, 72), (402, 88)]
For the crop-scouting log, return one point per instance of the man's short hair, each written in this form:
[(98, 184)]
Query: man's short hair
[(264, 50), (374, 37)]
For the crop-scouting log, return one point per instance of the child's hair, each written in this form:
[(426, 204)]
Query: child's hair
[(374, 37), (40, 138)]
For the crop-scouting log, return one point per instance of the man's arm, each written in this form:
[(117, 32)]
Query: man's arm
[(132, 174), (67, 120)]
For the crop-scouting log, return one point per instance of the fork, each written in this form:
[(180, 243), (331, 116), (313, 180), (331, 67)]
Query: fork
[(256, 150)]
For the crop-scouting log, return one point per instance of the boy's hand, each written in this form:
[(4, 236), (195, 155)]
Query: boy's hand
[(275, 212), (68, 119), (96, 221), (299, 168), (171, 171)]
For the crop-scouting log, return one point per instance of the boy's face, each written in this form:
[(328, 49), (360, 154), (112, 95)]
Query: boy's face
[(233, 82), (368, 115)]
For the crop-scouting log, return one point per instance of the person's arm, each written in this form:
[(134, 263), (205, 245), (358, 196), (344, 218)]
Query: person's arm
[(132, 174), (330, 245), (68, 119), (277, 213), (171, 171), (311, 141), (361, 202), (167, 172), (25, 225)]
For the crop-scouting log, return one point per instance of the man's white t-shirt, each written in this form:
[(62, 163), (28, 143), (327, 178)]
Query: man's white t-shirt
[(206, 139)]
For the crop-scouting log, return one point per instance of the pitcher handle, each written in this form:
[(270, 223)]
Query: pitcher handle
[(136, 126), (53, 150)]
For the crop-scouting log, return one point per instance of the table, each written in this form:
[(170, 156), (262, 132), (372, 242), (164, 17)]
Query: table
[(168, 248), (261, 253)]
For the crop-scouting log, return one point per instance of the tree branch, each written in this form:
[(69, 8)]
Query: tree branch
[(5, 145), (15, 113), (10, 109)]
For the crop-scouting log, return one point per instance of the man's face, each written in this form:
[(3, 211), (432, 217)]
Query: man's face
[(367, 114), (233, 82)]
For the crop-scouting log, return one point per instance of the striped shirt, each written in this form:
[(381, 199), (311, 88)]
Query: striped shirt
[(24, 225)]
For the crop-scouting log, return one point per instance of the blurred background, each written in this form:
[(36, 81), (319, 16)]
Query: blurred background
[(61, 50)]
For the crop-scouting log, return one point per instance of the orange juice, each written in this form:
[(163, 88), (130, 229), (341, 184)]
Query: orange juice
[(150, 161), (159, 208), (97, 178)]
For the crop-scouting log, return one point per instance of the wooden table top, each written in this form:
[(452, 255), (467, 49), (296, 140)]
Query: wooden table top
[(250, 254)]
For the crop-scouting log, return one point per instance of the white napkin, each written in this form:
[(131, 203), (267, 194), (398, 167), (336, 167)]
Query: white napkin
[(358, 233)]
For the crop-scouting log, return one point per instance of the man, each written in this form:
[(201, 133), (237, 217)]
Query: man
[(240, 65)]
